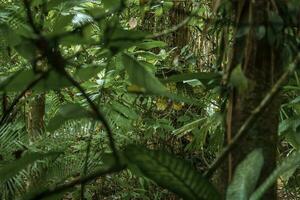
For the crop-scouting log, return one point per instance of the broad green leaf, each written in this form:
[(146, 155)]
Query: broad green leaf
[(203, 77), (150, 44), (275, 21), (289, 163), (170, 172), (59, 3), (260, 32), (65, 113), (187, 128), (87, 72), (117, 39), (61, 23), (11, 38), (242, 31), (26, 49), (107, 166), (144, 81), (238, 79), (109, 4), (12, 168), (141, 77), (246, 176), (19, 80), (124, 110), (289, 129)]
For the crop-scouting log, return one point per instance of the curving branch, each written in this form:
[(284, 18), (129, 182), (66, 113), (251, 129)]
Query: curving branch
[(81, 180), (17, 99), (251, 119), (58, 63)]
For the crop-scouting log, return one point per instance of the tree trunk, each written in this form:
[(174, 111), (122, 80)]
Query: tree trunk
[(35, 115), (257, 58), (178, 13)]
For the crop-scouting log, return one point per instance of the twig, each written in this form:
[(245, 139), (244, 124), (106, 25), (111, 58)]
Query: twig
[(30, 18), (120, 8), (88, 149), (176, 27), (62, 187), (251, 119), (17, 99), (58, 63)]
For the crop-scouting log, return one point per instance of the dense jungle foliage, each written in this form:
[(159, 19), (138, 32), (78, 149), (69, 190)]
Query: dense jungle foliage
[(149, 99)]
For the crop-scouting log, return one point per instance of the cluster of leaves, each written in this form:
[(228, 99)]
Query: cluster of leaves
[(61, 47)]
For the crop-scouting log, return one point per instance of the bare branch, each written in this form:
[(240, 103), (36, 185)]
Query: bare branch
[(251, 119)]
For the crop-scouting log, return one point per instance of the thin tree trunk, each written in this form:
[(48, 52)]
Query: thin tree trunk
[(178, 13), (257, 59), (35, 115)]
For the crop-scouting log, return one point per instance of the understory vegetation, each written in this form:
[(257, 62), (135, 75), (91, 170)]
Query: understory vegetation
[(149, 99)]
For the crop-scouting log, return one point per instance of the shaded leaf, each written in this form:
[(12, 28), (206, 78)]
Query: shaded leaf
[(85, 73), (289, 163), (150, 44), (11, 169), (203, 77), (141, 77), (171, 173), (238, 79), (187, 127), (19, 80), (117, 39), (246, 176), (108, 166), (65, 113)]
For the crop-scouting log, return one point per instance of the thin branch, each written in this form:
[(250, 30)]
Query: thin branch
[(81, 180), (17, 99), (58, 63), (118, 9), (88, 149), (97, 112), (176, 27), (251, 119), (30, 17)]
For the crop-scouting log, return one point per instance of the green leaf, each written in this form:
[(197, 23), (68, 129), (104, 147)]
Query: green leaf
[(246, 176), (187, 128), (108, 166), (141, 77), (117, 39), (87, 72), (65, 113), (150, 44), (26, 49), (242, 31), (238, 79), (204, 77), (260, 32), (19, 80), (109, 4), (275, 20), (171, 173), (11, 169), (61, 23), (124, 110), (11, 38), (289, 163)]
